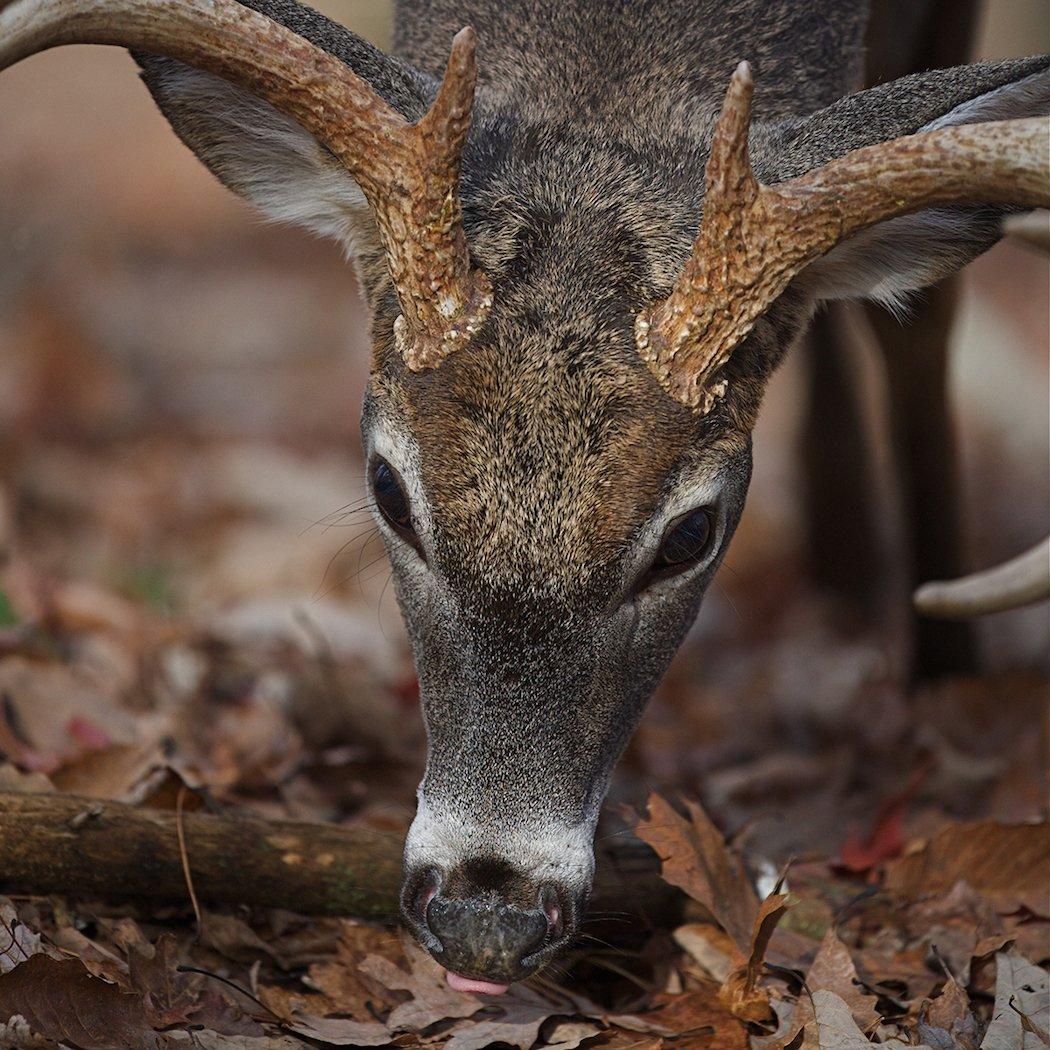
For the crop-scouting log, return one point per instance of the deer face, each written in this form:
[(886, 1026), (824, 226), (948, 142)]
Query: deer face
[(553, 521)]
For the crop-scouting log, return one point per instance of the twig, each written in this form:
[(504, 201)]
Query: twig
[(184, 856)]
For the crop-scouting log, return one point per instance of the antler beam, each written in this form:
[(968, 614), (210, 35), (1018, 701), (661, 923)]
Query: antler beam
[(754, 239), (409, 173)]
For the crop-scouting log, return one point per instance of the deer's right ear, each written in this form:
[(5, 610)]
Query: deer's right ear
[(268, 158), (909, 252)]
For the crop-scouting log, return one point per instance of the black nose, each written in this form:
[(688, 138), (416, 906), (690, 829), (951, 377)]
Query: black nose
[(484, 936)]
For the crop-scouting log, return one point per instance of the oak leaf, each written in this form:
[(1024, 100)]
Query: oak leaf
[(695, 858)]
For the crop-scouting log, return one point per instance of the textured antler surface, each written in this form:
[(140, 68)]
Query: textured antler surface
[(754, 239), (409, 173)]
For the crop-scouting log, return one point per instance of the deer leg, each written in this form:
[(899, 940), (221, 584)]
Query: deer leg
[(916, 359), (842, 548)]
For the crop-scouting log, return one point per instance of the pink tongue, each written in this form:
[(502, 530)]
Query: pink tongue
[(468, 984)]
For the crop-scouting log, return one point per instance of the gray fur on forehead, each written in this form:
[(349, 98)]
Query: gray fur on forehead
[(643, 59)]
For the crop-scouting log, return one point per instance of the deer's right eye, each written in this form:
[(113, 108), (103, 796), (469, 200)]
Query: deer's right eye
[(390, 497)]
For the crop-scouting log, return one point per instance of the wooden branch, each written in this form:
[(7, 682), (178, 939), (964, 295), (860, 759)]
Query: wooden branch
[(84, 848)]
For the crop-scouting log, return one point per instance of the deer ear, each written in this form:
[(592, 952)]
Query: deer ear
[(268, 158), (902, 255)]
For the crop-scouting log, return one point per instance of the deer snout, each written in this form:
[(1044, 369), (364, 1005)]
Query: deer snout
[(487, 938)]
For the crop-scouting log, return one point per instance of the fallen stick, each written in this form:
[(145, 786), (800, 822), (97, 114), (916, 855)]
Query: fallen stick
[(85, 848)]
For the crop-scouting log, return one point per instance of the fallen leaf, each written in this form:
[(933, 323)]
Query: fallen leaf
[(740, 992), (337, 1031), (709, 946), (833, 971), (235, 939), (111, 772), (861, 854), (517, 1025), (833, 1028), (957, 926), (17, 941), (694, 857), (698, 1013), (567, 1035), (62, 1001), (1022, 991), (169, 997), (98, 960), (1005, 862), (432, 999), (947, 1021)]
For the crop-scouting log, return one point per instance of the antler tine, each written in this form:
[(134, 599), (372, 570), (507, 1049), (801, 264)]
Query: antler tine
[(1021, 581), (409, 173), (754, 239)]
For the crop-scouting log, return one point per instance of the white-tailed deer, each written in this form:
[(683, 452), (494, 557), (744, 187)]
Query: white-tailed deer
[(581, 276)]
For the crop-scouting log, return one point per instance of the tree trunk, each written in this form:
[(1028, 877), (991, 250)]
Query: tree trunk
[(85, 848)]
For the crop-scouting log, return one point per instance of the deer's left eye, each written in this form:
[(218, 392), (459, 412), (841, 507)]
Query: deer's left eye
[(686, 542)]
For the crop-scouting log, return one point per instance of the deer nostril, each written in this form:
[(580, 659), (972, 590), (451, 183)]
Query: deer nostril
[(416, 896), (550, 903)]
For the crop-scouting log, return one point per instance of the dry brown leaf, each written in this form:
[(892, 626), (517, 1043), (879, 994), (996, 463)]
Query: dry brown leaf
[(110, 773), (98, 960), (169, 997), (709, 946), (1022, 992), (833, 971), (518, 1024), (336, 975), (694, 857), (62, 1001), (337, 1031), (833, 1028), (567, 1035), (1005, 862), (235, 939), (947, 1021), (957, 926), (698, 1013), (740, 991), (432, 999)]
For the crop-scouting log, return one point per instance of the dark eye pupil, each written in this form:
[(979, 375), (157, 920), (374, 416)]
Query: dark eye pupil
[(390, 497), (686, 542)]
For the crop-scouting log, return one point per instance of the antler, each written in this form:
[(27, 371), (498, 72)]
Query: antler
[(1021, 581), (754, 239), (409, 173)]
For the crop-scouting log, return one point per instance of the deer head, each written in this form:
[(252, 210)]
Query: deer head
[(565, 373)]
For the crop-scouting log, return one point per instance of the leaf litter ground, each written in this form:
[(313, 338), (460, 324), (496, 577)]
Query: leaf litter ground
[(872, 890)]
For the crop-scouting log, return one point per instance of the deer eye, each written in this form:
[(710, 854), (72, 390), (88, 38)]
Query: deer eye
[(685, 543), (390, 497)]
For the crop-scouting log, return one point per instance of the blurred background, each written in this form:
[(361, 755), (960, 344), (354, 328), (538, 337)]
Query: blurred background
[(179, 397)]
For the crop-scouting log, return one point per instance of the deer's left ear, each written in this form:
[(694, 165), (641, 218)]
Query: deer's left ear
[(904, 254)]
